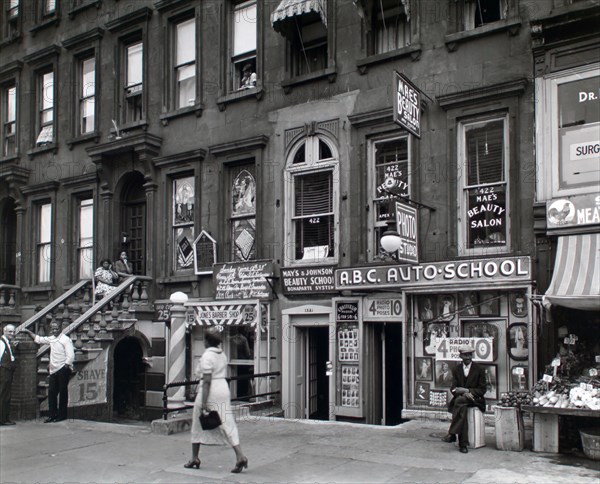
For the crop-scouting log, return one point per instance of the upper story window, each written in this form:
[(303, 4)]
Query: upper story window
[(484, 209), (242, 222), (390, 161), (185, 63), (133, 82), (183, 204), (48, 8), (45, 103), (85, 246), (312, 202), (243, 45), (8, 109), (568, 139), (10, 18), (390, 29), (44, 243), (87, 95), (309, 48), (477, 13)]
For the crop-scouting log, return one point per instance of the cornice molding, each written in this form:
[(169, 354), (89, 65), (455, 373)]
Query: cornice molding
[(51, 186), (89, 36), (136, 17), (192, 155), (224, 149), (42, 54), (483, 94)]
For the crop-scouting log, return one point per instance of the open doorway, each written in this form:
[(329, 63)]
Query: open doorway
[(128, 381), (317, 347)]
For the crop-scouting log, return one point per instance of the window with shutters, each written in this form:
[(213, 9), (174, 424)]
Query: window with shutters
[(312, 194), (484, 213)]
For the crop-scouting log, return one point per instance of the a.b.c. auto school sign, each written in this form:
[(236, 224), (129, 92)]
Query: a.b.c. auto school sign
[(509, 269)]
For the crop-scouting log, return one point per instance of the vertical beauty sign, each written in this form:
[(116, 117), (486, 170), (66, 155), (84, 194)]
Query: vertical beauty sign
[(407, 104)]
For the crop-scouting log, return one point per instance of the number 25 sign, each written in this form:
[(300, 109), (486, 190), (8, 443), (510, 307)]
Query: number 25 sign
[(447, 348)]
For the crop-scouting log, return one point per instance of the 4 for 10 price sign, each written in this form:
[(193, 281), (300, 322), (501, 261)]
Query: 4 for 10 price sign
[(447, 348)]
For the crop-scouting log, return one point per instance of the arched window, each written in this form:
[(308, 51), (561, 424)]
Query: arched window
[(312, 202)]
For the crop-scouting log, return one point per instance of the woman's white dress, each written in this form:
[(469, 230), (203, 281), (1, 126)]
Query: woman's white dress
[(214, 362)]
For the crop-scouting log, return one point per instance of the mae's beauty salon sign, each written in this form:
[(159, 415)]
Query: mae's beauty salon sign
[(509, 269)]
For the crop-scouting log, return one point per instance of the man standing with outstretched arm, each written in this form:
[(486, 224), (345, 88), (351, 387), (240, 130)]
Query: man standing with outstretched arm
[(7, 371), (62, 356)]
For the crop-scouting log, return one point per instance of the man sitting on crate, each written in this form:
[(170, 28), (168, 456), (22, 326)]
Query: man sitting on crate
[(468, 389)]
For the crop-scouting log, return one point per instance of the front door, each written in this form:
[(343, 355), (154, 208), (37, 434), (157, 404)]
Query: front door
[(317, 387), (133, 222), (8, 242)]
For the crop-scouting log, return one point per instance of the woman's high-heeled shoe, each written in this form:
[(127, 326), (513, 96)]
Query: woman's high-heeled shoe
[(193, 463), (240, 465)]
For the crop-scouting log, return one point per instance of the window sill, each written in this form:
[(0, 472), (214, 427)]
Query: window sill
[(76, 10), (45, 24), (95, 137), (11, 40), (196, 109), (175, 279), (42, 149), (132, 126), (330, 73), (240, 95), (8, 159), (510, 26), (414, 51)]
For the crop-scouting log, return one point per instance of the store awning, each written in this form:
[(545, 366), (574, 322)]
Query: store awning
[(576, 280), (288, 12)]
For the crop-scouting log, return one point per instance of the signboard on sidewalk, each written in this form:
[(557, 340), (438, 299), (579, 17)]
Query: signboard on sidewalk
[(407, 104), (88, 385)]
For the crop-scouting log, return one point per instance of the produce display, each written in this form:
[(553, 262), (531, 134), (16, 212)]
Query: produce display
[(515, 399)]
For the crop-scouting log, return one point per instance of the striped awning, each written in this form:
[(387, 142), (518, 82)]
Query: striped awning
[(576, 280), (223, 314), (287, 12)]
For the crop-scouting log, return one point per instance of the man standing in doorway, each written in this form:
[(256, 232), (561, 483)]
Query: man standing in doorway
[(7, 370), (62, 356)]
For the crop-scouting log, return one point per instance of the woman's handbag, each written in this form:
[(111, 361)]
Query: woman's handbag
[(210, 420)]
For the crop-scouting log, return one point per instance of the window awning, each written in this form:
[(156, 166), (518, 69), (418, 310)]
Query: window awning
[(288, 11), (576, 280)]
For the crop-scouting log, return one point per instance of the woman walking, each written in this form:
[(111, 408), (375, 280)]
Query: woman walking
[(213, 394)]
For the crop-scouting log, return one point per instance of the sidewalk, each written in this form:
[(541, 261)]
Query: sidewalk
[(278, 450)]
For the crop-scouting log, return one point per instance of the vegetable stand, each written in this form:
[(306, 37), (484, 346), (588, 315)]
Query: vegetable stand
[(546, 424)]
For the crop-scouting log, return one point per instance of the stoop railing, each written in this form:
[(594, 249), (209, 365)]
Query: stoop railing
[(166, 387)]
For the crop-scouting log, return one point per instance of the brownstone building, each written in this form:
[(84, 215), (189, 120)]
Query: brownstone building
[(243, 153)]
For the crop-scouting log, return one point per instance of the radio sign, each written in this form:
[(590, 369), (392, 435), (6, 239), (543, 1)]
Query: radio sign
[(407, 104), (406, 223)]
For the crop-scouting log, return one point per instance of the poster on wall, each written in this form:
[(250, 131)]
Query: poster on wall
[(424, 368), (350, 386), (518, 304), (421, 392), (518, 342), (432, 332), (438, 398), (519, 379), (443, 373), (88, 385)]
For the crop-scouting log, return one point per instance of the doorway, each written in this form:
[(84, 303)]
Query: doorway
[(317, 387), (384, 372), (128, 380), (8, 241), (133, 221)]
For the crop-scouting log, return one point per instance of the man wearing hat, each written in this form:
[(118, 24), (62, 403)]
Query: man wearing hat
[(468, 389)]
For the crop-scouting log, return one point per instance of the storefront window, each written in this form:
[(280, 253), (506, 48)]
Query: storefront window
[(239, 343)]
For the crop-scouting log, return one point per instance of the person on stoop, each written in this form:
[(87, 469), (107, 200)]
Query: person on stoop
[(62, 356), (468, 389), (7, 371)]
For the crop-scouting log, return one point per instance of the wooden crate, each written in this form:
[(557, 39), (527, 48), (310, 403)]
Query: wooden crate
[(476, 428), (510, 431)]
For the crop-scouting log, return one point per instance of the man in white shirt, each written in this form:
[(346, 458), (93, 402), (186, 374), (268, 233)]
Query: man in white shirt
[(62, 356), (7, 371)]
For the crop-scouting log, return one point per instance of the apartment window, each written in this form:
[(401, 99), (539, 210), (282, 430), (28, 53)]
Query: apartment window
[(46, 108), (243, 213), (87, 95), (184, 196), (483, 153), (313, 206), (85, 247), (243, 52), (10, 18), (9, 120), (48, 8), (390, 175), (309, 48), (12, 9), (482, 12), (185, 63), (133, 82), (44, 243), (390, 26)]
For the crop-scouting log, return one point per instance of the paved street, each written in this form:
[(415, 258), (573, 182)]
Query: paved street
[(279, 451)]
